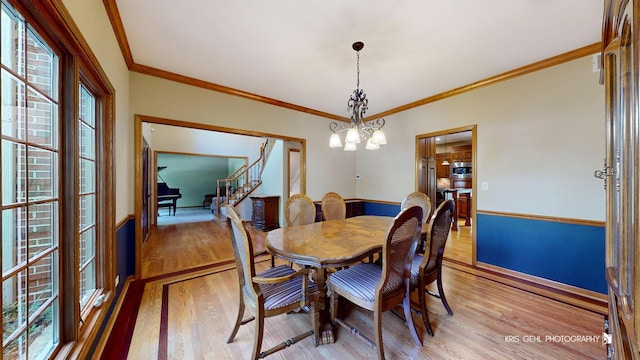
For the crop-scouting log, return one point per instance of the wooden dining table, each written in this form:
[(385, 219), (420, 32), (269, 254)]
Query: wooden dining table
[(329, 244)]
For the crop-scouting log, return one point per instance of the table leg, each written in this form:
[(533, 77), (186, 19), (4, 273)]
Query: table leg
[(326, 328)]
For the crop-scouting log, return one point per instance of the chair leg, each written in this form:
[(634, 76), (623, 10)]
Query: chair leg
[(238, 320), (333, 303), (406, 305), (257, 335), (377, 327), (442, 297), (315, 323), (423, 308)]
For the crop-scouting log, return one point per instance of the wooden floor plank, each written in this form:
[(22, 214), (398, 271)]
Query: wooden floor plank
[(491, 320), (486, 316)]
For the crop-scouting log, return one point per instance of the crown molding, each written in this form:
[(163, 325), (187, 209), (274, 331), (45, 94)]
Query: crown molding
[(118, 29)]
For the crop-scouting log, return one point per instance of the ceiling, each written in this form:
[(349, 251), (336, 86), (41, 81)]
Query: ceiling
[(299, 52)]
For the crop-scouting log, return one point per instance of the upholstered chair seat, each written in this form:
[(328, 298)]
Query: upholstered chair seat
[(276, 291), (381, 287), (283, 294)]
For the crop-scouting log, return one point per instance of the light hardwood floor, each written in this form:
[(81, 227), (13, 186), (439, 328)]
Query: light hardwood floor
[(172, 248), (458, 247), (189, 315)]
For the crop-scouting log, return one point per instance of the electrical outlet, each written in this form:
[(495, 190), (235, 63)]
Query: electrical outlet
[(117, 280)]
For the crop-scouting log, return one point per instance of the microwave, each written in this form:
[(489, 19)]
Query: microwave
[(461, 170)]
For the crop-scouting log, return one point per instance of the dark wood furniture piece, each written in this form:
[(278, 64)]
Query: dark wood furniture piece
[(427, 266), (208, 199), (354, 208), (381, 287), (464, 207), (277, 291), (461, 183), (266, 212), (168, 197), (324, 247)]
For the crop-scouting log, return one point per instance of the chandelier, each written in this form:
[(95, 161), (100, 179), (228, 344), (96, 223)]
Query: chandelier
[(357, 130)]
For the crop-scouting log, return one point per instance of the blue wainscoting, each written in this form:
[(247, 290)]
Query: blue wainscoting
[(125, 252), (373, 208), (572, 254), (125, 267)]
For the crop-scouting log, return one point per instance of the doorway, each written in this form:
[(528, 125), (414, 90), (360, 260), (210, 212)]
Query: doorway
[(143, 128), (294, 171), (145, 209), (445, 168)]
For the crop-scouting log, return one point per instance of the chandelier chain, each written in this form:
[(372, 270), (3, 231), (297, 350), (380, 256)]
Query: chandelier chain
[(358, 70)]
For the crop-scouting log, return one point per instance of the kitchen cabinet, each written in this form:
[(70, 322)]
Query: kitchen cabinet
[(442, 170), (265, 212), (461, 153), (454, 153), (467, 155), (461, 183)]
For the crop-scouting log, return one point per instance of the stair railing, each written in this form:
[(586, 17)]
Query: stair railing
[(244, 180)]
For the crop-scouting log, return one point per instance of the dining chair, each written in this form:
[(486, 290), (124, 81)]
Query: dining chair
[(299, 210), (278, 290), (427, 268), (382, 287), (333, 207), (421, 199)]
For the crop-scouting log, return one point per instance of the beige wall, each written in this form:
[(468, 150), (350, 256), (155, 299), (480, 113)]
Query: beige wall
[(93, 22), (327, 170), (177, 139), (539, 139), (540, 136)]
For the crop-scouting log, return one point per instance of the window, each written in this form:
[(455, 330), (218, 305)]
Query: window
[(87, 194), (56, 174)]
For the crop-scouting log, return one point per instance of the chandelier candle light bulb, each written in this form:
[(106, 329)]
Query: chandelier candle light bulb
[(357, 129)]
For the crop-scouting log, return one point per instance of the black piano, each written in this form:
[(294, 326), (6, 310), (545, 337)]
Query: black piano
[(168, 197)]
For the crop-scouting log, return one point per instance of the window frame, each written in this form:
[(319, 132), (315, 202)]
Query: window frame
[(77, 64)]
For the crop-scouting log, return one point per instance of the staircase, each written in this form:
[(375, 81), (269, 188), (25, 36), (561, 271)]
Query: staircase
[(242, 182)]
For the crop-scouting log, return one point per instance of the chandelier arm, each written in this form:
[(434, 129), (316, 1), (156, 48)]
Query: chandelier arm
[(375, 124), (338, 128), (367, 132)]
